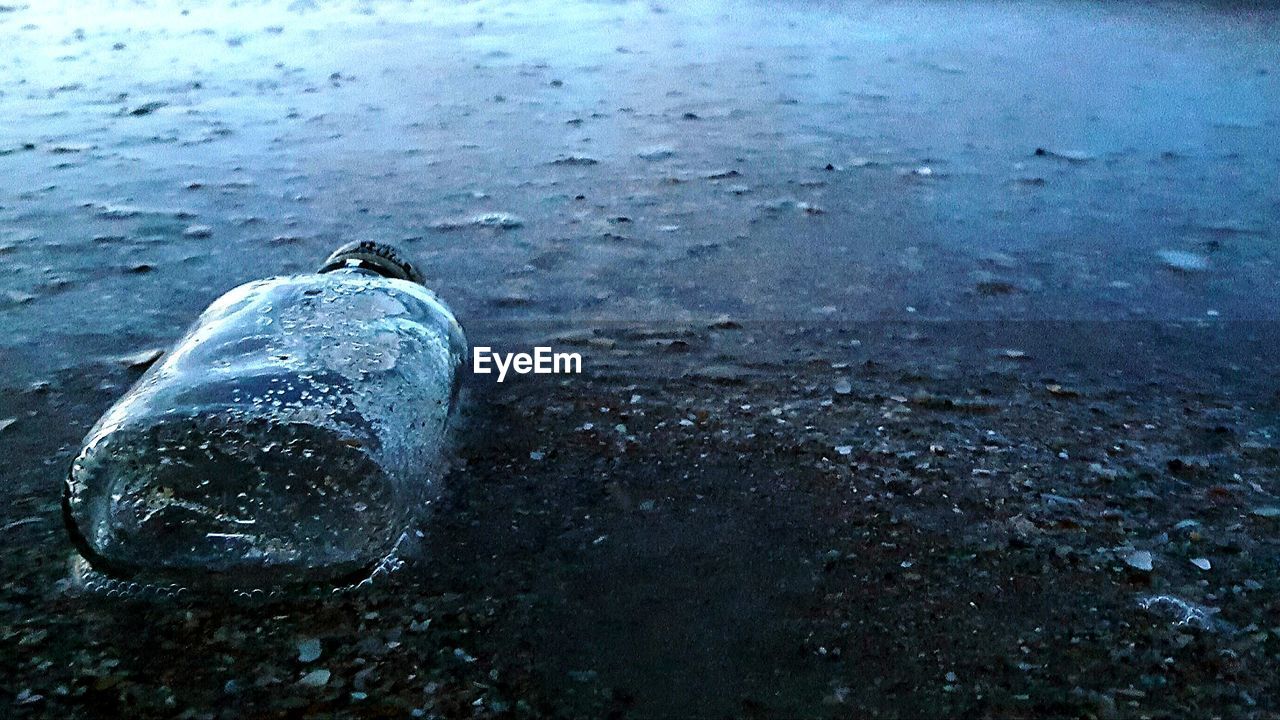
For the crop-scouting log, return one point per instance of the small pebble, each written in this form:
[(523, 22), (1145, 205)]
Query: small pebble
[(1183, 261), (315, 678), (1139, 560), (308, 650)]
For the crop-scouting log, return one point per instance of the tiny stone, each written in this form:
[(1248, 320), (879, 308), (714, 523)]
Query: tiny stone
[(657, 152), (308, 650), (1139, 560), (489, 220), (575, 160), (1183, 261), (1202, 563), (147, 108), (315, 678)]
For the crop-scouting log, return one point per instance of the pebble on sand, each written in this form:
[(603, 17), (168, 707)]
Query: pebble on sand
[(1073, 156), (147, 108), (492, 220), (315, 678), (308, 650), (575, 160), (1183, 261), (657, 152), (1139, 560)]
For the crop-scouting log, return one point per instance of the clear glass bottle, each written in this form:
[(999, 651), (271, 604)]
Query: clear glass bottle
[(289, 437)]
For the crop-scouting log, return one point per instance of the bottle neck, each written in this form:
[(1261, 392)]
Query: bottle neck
[(379, 259), (353, 267)]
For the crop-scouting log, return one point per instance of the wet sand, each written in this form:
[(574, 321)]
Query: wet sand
[(912, 333)]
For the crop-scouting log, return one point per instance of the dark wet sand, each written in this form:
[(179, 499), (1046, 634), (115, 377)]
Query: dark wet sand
[(881, 406)]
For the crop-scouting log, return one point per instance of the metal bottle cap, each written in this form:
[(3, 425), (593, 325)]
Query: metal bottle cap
[(376, 257)]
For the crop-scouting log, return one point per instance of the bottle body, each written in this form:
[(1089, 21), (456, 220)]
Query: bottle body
[(289, 437)]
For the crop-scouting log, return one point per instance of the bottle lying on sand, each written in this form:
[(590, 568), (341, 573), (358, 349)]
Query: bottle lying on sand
[(289, 438)]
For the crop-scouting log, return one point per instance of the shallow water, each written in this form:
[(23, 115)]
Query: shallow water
[(982, 246), (278, 130)]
